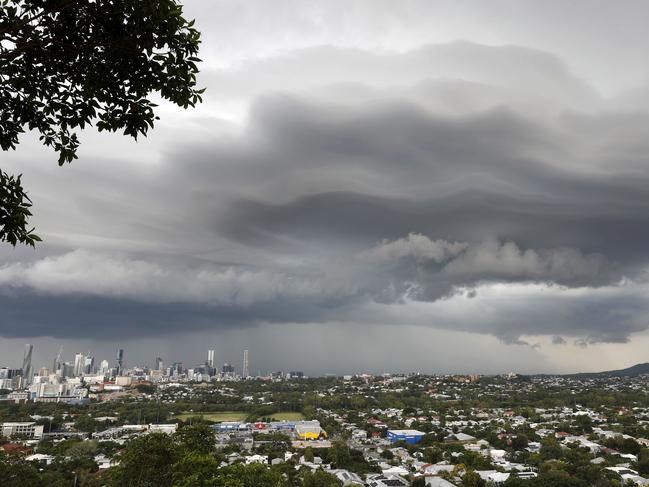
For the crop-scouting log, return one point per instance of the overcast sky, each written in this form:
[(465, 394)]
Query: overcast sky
[(369, 186)]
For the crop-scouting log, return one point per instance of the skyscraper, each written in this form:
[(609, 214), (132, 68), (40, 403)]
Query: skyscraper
[(120, 361), (210, 359), (245, 364), (27, 364), (103, 367), (79, 364), (67, 369), (89, 367), (159, 364)]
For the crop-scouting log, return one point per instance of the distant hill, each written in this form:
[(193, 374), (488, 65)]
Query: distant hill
[(633, 371)]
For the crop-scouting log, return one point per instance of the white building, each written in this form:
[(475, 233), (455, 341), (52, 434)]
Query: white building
[(163, 428), (123, 381), (22, 430), (40, 457), (257, 459)]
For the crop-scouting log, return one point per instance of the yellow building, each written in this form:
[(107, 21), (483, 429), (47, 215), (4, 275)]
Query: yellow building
[(309, 430)]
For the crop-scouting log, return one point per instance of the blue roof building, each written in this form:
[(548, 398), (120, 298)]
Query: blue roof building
[(226, 426), (409, 436)]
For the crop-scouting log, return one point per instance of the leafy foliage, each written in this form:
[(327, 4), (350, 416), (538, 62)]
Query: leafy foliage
[(18, 474), (14, 212), (186, 459), (68, 64), (198, 438), (320, 478), (148, 462)]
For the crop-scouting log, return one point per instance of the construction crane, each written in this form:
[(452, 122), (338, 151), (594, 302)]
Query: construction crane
[(57, 360)]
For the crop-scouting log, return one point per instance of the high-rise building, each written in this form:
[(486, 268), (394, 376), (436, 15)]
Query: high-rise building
[(89, 366), (104, 367), (176, 369), (79, 364), (120, 361), (27, 364), (210, 359), (67, 369), (246, 371), (159, 364)]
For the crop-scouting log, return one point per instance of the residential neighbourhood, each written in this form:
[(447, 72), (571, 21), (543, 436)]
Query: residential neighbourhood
[(358, 430)]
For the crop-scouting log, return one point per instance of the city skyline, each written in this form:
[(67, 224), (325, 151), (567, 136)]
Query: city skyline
[(80, 362), (92, 363), (436, 186)]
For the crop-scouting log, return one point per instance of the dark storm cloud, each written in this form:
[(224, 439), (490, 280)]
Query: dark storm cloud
[(506, 311), (508, 216), (491, 175), (81, 315)]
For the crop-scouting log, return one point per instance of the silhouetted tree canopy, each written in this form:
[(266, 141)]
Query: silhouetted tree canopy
[(14, 211), (68, 64)]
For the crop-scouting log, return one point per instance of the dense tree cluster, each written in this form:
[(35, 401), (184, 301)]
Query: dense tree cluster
[(186, 459)]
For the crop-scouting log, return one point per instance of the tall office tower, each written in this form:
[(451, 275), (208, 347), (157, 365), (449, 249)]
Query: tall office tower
[(176, 369), (210, 359), (27, 364), (67, 369), (245, 364), (104, 367), (89, 366), (79, 364), (120, 361), (159, 364)]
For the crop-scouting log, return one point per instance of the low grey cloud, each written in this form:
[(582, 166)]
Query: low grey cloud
[(558, 340), (508, 261), (499, 260), (421, 267), (429, 269), (84, 273), (416, 247), (521, 312)]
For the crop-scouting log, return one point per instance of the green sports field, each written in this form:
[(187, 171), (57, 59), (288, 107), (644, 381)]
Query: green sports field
[(237, 416), (216, 417), (288, 416)]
